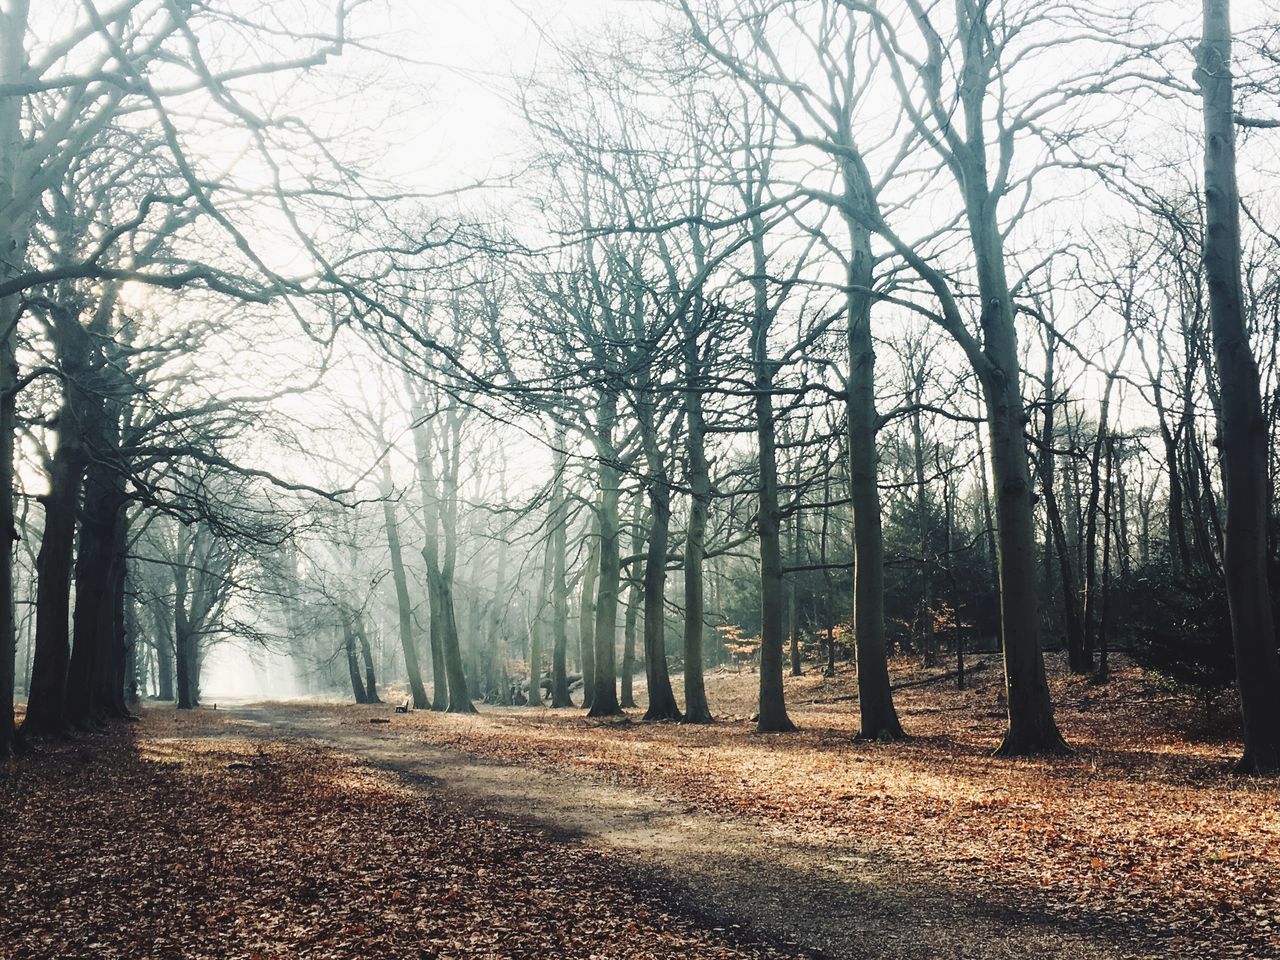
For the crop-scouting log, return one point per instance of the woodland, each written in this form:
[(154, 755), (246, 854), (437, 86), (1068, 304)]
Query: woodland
[(639, 478)]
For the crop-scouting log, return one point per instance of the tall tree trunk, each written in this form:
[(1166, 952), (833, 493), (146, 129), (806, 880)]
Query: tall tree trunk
[(450, 682), (1101, 443), (186, 659), (559, 587), (404, 607), (635, 595), (824, 542), (371, 684), (772, 714), (604, 692), (46, 697), (423, 454), (990, 529), (587, 617), (793, 617), (1031, 727), (15, 226), (536, 625), (1070, 597), (878, 716), (111, 682), (93, 619), (46, 700), (922, 522), (698, 476), (163, 642), (1241, 426), (459, 689), (184, 639), (455, 673), (535, 660), (662, 699), (1104, 666), (353, 663)]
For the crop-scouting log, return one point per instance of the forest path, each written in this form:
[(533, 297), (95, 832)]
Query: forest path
[(818, 899)]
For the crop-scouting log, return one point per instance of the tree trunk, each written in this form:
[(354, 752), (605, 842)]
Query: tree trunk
[(536, 626), (112, 682), (1101, 442), (1070, 597), (772, 715), (559, 588), (14, 237), (587, 618), (188, 671), (698, 477), (371, 684), (184, 639), (635, 594), (1104, 666), (93, 619), (455, 673), (423, 453), (878, 716), (1031, 727), (46, 703), (662, 699), (990, 529), (793, 618), (450, 681), (404, 606), (922, 522), (353, 664), (164, 669), (1241, 426), (604, 692)]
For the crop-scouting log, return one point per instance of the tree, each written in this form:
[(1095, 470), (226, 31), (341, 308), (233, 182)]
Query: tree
[(1241, 425)]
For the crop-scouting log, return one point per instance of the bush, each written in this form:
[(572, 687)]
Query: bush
[(1180, 628)]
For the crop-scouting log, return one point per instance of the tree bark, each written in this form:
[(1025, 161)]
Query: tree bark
[(604, 692), (1070, 596), (404, 606), (371, 684), (15, 226), (1032, 728), (353, 663), (793, 617), (51, 658), (587, 617), (163, 643), (635, 595), (536, 623), (96, 568), (696, 709), (772, 715), (662, 699), (878, 717), (559, 588), (1241, 427)]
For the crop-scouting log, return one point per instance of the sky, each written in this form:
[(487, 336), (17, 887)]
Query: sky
[(454, 119)]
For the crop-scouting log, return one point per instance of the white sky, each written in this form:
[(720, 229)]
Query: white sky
[(454, 121)]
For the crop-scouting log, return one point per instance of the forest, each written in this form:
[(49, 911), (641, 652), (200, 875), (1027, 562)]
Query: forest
[(640, 478)]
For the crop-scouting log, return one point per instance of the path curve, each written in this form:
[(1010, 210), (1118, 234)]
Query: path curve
[(820, 900)]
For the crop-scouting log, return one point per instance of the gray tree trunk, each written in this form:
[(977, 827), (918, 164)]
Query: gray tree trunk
[(404, 606), (1241, 425)]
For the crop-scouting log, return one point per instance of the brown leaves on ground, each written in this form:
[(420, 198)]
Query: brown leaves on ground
[(150, 843), (1144, 826)]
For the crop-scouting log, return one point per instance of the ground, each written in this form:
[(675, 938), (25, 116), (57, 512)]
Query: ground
[(307, 830)]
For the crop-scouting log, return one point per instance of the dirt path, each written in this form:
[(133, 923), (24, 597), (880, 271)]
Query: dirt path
[(817, 899)]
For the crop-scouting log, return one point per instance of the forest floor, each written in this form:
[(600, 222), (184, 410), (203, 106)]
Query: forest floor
[(306, 830)]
